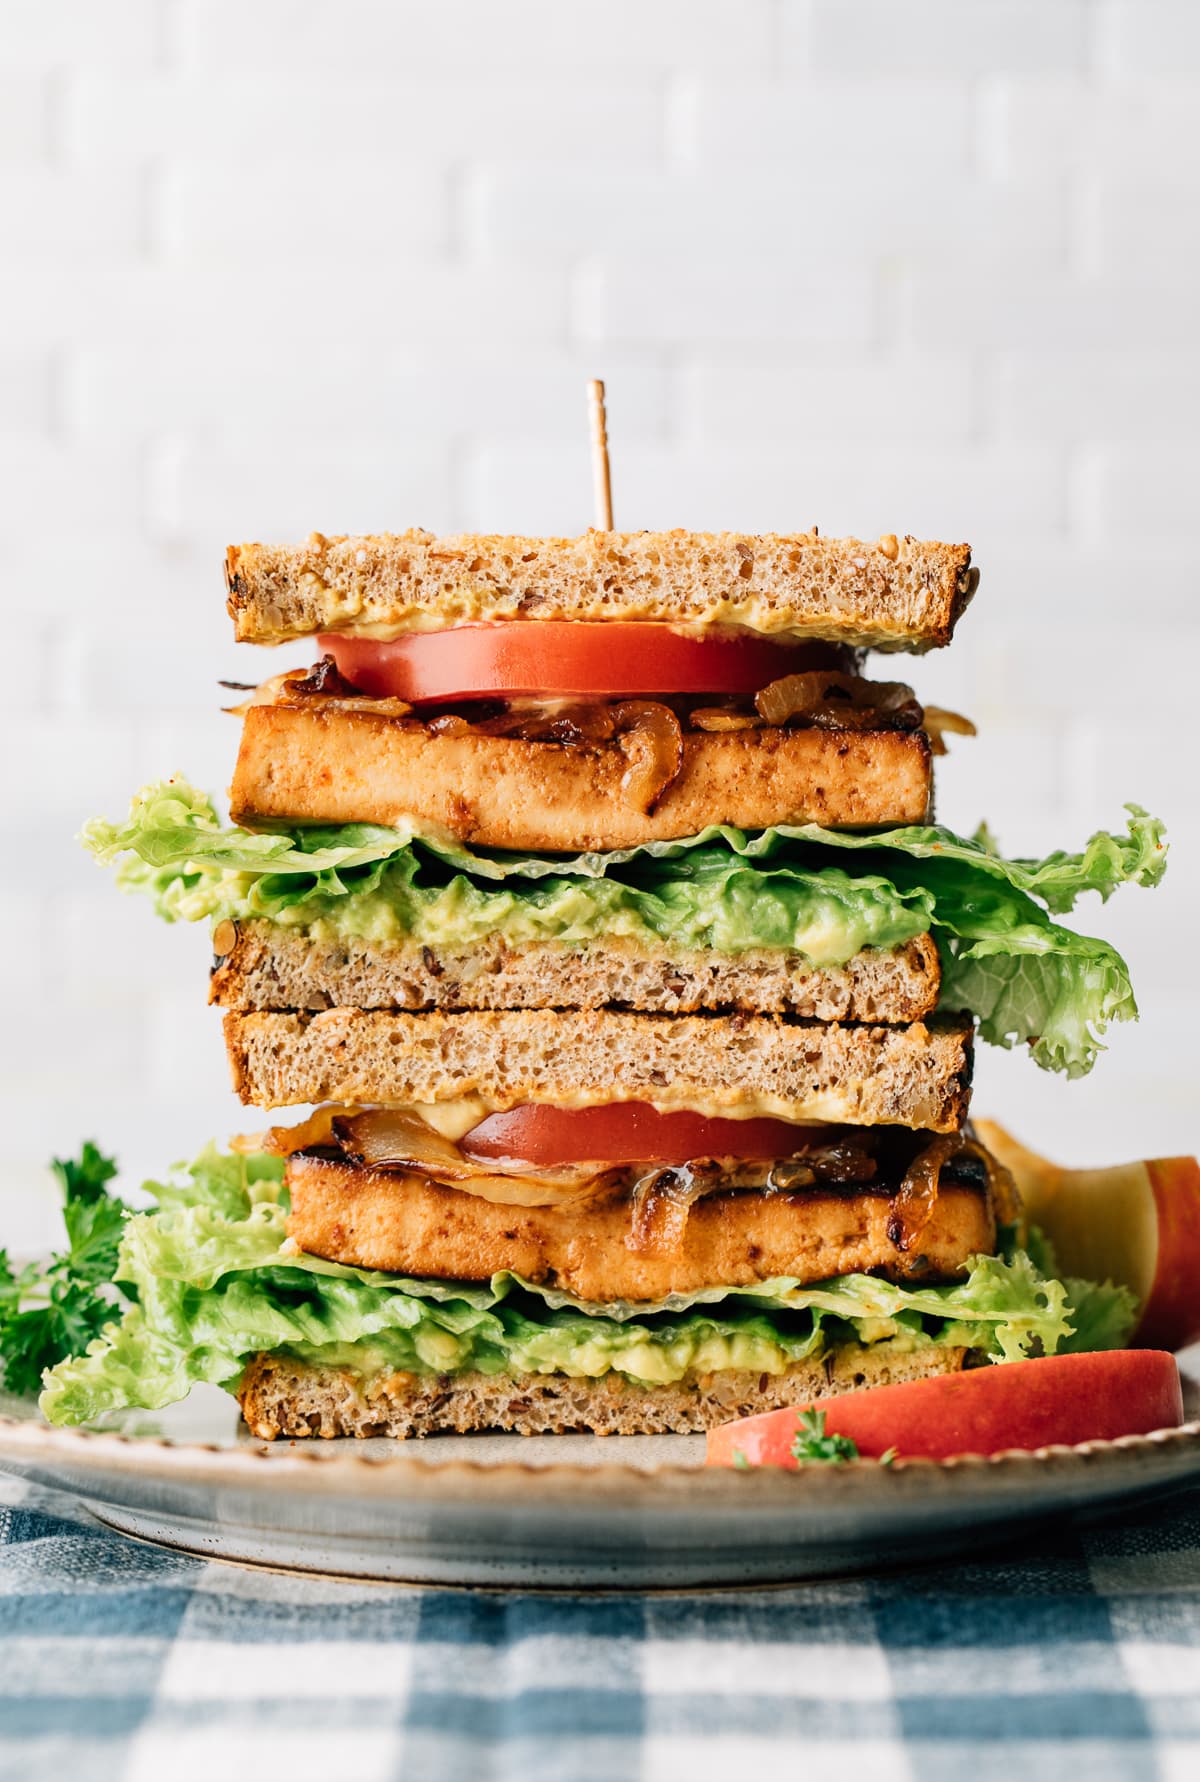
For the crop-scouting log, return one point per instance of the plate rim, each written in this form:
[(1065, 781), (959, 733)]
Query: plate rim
[(323, 1468)]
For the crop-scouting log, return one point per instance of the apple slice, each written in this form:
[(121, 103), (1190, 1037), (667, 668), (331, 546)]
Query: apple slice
[(1136, 1223), (1021, 1404)]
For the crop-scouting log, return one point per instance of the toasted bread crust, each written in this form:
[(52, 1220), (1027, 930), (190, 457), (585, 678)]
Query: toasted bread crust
[(915, 1076), (892, 594), (410, 1225), (281, 1396), (336, 766), (265, 966)]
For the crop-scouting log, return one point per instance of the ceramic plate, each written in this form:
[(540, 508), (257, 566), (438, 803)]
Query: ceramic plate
[(624, 1512)]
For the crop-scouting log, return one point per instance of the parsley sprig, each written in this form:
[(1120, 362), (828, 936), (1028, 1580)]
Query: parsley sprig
[(812, 1444), (54, 1309)]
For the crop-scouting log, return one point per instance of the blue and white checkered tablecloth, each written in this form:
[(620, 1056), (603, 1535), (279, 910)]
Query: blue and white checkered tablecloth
[(1079, 1657)]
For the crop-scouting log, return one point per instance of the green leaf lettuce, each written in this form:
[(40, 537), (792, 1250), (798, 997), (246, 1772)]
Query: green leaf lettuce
[(823, 893)]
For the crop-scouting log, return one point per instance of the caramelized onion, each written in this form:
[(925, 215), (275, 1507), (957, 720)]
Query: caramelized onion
[(315, 1133), (651, 740), (721, 717), (915, 1204), (322, 684), (660, 1205), (940, 723), (325, 681), (323, 677), (842, 1163), (398, 1139), (269, 692), (567, 721), (834, 701)]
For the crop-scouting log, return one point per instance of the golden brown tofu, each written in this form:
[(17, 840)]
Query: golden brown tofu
[(410, 1225), (327, 765)]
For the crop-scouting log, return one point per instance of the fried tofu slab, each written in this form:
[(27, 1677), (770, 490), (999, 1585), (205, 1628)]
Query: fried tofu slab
[(411, 1225), (324, 764)]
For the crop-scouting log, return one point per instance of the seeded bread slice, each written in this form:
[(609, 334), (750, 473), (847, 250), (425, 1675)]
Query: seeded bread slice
[(261, 965), (916, 1076), (892, 594), (281, 1396)]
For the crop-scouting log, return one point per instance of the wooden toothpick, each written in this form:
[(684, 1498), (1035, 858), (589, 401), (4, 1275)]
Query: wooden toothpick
[(600, 470)]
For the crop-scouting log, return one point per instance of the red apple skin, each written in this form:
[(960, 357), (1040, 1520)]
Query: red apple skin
[(1058, 1399), (1136, 1223), (1171, 1313)]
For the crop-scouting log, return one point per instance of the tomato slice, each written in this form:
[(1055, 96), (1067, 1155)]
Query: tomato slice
[(629, 1132), (1015, 1404), (560, 658)]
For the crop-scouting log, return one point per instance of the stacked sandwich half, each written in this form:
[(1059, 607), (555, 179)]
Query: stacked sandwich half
[(587, 890)]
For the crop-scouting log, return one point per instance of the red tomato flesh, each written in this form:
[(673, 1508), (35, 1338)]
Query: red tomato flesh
[(1016, 1404), (629, 1132), (564, 659)]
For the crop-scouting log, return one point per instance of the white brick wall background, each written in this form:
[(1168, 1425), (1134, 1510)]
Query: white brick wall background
[(924, 265)]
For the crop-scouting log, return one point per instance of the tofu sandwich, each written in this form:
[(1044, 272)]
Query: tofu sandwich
[(584, 897)]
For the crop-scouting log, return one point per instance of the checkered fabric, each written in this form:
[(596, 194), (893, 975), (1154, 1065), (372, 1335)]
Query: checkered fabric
[(1077, 1657)]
